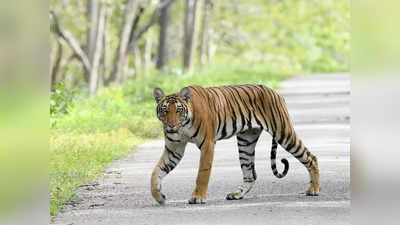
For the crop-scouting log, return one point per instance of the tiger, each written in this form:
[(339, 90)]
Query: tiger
[(204, 116)]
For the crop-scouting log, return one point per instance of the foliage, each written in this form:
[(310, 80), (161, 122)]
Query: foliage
[(293, 36), (300, 36), (61, 98), (77, 158)]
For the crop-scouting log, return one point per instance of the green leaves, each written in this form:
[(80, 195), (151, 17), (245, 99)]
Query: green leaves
[(61, 99)]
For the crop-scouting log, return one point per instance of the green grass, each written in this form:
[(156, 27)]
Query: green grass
[(78, 158), (97, 130)]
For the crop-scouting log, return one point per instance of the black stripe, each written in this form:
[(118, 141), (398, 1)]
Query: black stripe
[(172, 162), (273, 153), (223, 134), (248, 95), (172, 140), (273, 122), (248, 143), (233, 115), (258, 122), (186, 123), (244, 105), (305, 163), (165, 168), (239, 107), (251, 104), (250, 164), (249, 121), (215, 103), (242, 158), (174, 154), (291, 145), (198, 93), (260, 91), (256, 106), (301, 155), (217, 112), (197, 131), (242, 139), (297, 149), (275, 105), (219, 123), (201, 145), (262, 109), (246, 153), (283, 121), (234, 119)]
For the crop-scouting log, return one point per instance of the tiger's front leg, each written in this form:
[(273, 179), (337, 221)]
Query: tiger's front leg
[(172, 155), (199, 195)]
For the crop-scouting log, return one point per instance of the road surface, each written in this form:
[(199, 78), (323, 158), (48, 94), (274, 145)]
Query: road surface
[(319, 106)]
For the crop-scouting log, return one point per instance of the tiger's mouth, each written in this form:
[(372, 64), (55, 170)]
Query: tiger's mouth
[(173, 129)]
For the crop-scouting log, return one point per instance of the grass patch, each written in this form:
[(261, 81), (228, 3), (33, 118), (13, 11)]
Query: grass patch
[(78, 158)]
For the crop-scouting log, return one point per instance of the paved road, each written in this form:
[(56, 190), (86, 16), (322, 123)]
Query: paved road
[(319, 106)]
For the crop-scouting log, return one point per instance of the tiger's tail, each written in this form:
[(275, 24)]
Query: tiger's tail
[(273, 161)]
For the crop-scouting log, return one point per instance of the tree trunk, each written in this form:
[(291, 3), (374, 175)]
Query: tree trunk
[(164, 21), (147, 55), (92, 17), (94, 72), (190, 33), (56, 65), (138, 62), (72, 42), (103, 60), (119, 62), (206, 33)]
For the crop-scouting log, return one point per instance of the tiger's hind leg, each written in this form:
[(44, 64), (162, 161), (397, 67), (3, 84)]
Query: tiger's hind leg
[(295, 146), (247, 141)]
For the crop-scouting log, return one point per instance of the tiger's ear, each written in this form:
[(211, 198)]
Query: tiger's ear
[(185, 94), (158, 94)]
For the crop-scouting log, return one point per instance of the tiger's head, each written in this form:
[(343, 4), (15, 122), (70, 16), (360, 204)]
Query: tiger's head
[(173, 110)]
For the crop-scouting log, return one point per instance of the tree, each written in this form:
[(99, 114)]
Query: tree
[(55, 64), (124, 38), (98, 49), (164, 21), (134, 35), (191, 18), (205, 53), (92, 14), (92, 56)]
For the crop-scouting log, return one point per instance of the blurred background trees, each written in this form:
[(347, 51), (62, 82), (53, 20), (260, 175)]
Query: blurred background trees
[(99, 42)]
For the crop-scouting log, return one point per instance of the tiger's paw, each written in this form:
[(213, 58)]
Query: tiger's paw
[(312, 191), (234, 196), (197, 200), (241, 191), (160, 198)]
